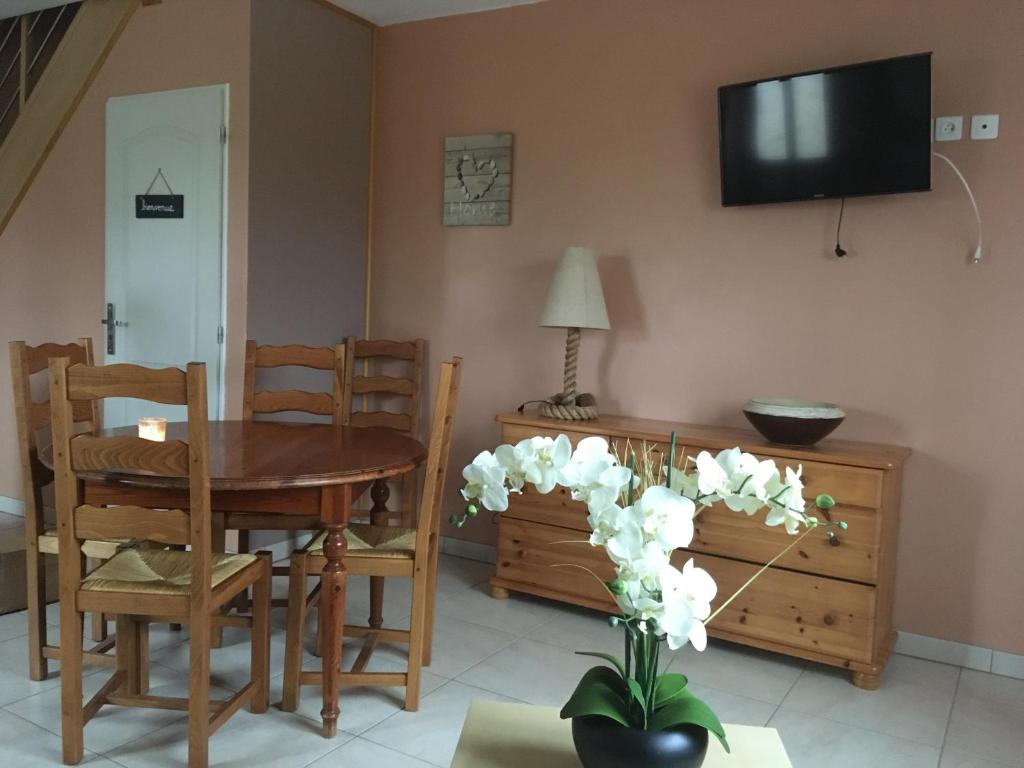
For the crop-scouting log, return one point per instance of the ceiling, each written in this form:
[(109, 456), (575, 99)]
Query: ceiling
[(384, 12)]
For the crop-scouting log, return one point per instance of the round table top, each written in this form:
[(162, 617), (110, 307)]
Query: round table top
[(261, 455)]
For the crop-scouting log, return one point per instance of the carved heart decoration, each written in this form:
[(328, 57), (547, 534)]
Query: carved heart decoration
[(476, 177)]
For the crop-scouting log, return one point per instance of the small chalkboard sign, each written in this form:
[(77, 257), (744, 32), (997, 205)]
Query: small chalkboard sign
[(169, 206), (159, 206)]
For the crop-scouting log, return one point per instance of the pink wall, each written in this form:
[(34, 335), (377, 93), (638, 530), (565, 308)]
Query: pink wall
[(614, 113), (52, 252)]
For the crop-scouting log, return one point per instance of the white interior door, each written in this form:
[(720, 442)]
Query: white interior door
[(164, 276)]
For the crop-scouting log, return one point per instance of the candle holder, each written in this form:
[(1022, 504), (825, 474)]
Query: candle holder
[(153, 428)]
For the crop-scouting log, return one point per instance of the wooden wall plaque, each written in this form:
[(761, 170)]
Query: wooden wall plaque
[(478, 180)]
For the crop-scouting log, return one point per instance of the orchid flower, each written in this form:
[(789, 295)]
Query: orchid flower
[(593, 474), (485, 480), (687, 596)]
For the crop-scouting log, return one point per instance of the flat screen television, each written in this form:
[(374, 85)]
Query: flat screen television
[(862, 129)]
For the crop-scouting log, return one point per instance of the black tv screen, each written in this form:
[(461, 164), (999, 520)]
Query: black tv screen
[(863, 129)]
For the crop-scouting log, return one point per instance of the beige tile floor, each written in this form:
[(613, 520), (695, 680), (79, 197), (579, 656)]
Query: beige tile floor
[(926, 715)]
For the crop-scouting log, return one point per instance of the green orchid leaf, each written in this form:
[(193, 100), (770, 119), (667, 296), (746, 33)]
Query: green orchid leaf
[(667, 687), (687, 709), (619, 666), (638, 694), (600, 692)]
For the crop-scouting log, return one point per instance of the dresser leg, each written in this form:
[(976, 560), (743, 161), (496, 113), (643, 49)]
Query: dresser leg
[(867, 681), (499, 593)]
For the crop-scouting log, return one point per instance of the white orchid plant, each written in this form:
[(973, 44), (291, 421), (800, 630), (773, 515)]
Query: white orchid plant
[(641, 511)]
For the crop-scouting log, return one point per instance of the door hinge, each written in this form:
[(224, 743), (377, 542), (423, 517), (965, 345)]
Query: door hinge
[(223, 134), (220, 334)]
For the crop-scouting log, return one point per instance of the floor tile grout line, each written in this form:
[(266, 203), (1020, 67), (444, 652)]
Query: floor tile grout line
[(949, 716)]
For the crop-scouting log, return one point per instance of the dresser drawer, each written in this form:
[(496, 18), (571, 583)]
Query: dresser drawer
[(534, 555), (851, 486), (513, 433), (854, 556), (555, 508), (793, 609)]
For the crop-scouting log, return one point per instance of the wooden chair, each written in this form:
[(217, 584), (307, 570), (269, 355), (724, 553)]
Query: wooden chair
[(139, 584), (262, 402), (378, 391), (33, 417), (383, 551)]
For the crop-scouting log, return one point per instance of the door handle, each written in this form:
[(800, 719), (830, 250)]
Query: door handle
[(111, 325)]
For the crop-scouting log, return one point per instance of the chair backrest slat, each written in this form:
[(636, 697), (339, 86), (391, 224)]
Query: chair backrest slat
[(398, 350), (389, 385), (317, 403), (436, 473), (321, 358), (38, 358), (132, 522), (163, 385), (39, 413), (400, 422), (135, 454)]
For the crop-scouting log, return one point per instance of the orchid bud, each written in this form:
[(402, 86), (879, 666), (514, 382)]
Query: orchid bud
[(824, 501), (614, 621), (471, 510), (616, 586), (842, 525), (453, 519)]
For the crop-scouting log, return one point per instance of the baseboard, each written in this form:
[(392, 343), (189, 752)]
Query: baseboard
[(12, 506), (471, 550), (960, 654)]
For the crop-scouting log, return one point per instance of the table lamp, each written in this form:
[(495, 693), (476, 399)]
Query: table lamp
[(575, 301)]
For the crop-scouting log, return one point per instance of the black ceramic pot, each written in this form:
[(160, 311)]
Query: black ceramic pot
[(603, 743)]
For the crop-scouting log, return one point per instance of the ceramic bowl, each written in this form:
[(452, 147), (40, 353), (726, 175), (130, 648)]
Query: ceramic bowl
[(793, 422)]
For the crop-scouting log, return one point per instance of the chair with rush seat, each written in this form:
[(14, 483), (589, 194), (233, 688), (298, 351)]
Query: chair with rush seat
[(255, 402), (32, 417), (381, 551), (136, 584)]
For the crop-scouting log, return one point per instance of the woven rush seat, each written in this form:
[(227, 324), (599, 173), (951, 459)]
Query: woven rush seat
[(373, 541), (101, 550), (158, 571)]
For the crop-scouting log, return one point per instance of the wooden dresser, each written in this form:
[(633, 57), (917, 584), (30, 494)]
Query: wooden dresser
[(827, 602)]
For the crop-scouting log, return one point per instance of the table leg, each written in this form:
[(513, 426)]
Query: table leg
[(335, 511), (380, 493), (332, 614)]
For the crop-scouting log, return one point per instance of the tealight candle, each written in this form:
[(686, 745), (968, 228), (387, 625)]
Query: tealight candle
[(153, 428)]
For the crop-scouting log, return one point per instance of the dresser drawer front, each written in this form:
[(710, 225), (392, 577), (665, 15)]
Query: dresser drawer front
[(799, 610), (555, 508), (851, 486), (720, 531), (530, 554), (513, 433)]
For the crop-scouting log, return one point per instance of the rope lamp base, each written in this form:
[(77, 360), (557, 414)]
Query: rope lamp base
[(567, 404), (569, 412)]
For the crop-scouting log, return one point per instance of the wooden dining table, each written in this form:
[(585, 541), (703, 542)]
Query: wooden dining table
[(260, 470)]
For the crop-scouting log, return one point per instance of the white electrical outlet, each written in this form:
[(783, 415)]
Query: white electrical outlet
[(949, 128), (984, 127)]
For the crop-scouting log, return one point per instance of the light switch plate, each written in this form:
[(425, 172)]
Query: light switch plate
[(949, 128), (984, 127)]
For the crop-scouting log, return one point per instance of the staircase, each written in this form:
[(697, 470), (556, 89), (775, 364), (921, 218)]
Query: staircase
[(48, 58)]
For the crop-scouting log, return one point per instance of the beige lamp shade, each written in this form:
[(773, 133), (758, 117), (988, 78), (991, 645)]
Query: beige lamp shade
[(575, 299)]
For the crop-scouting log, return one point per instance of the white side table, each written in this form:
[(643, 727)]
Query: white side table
[(516, 735)]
